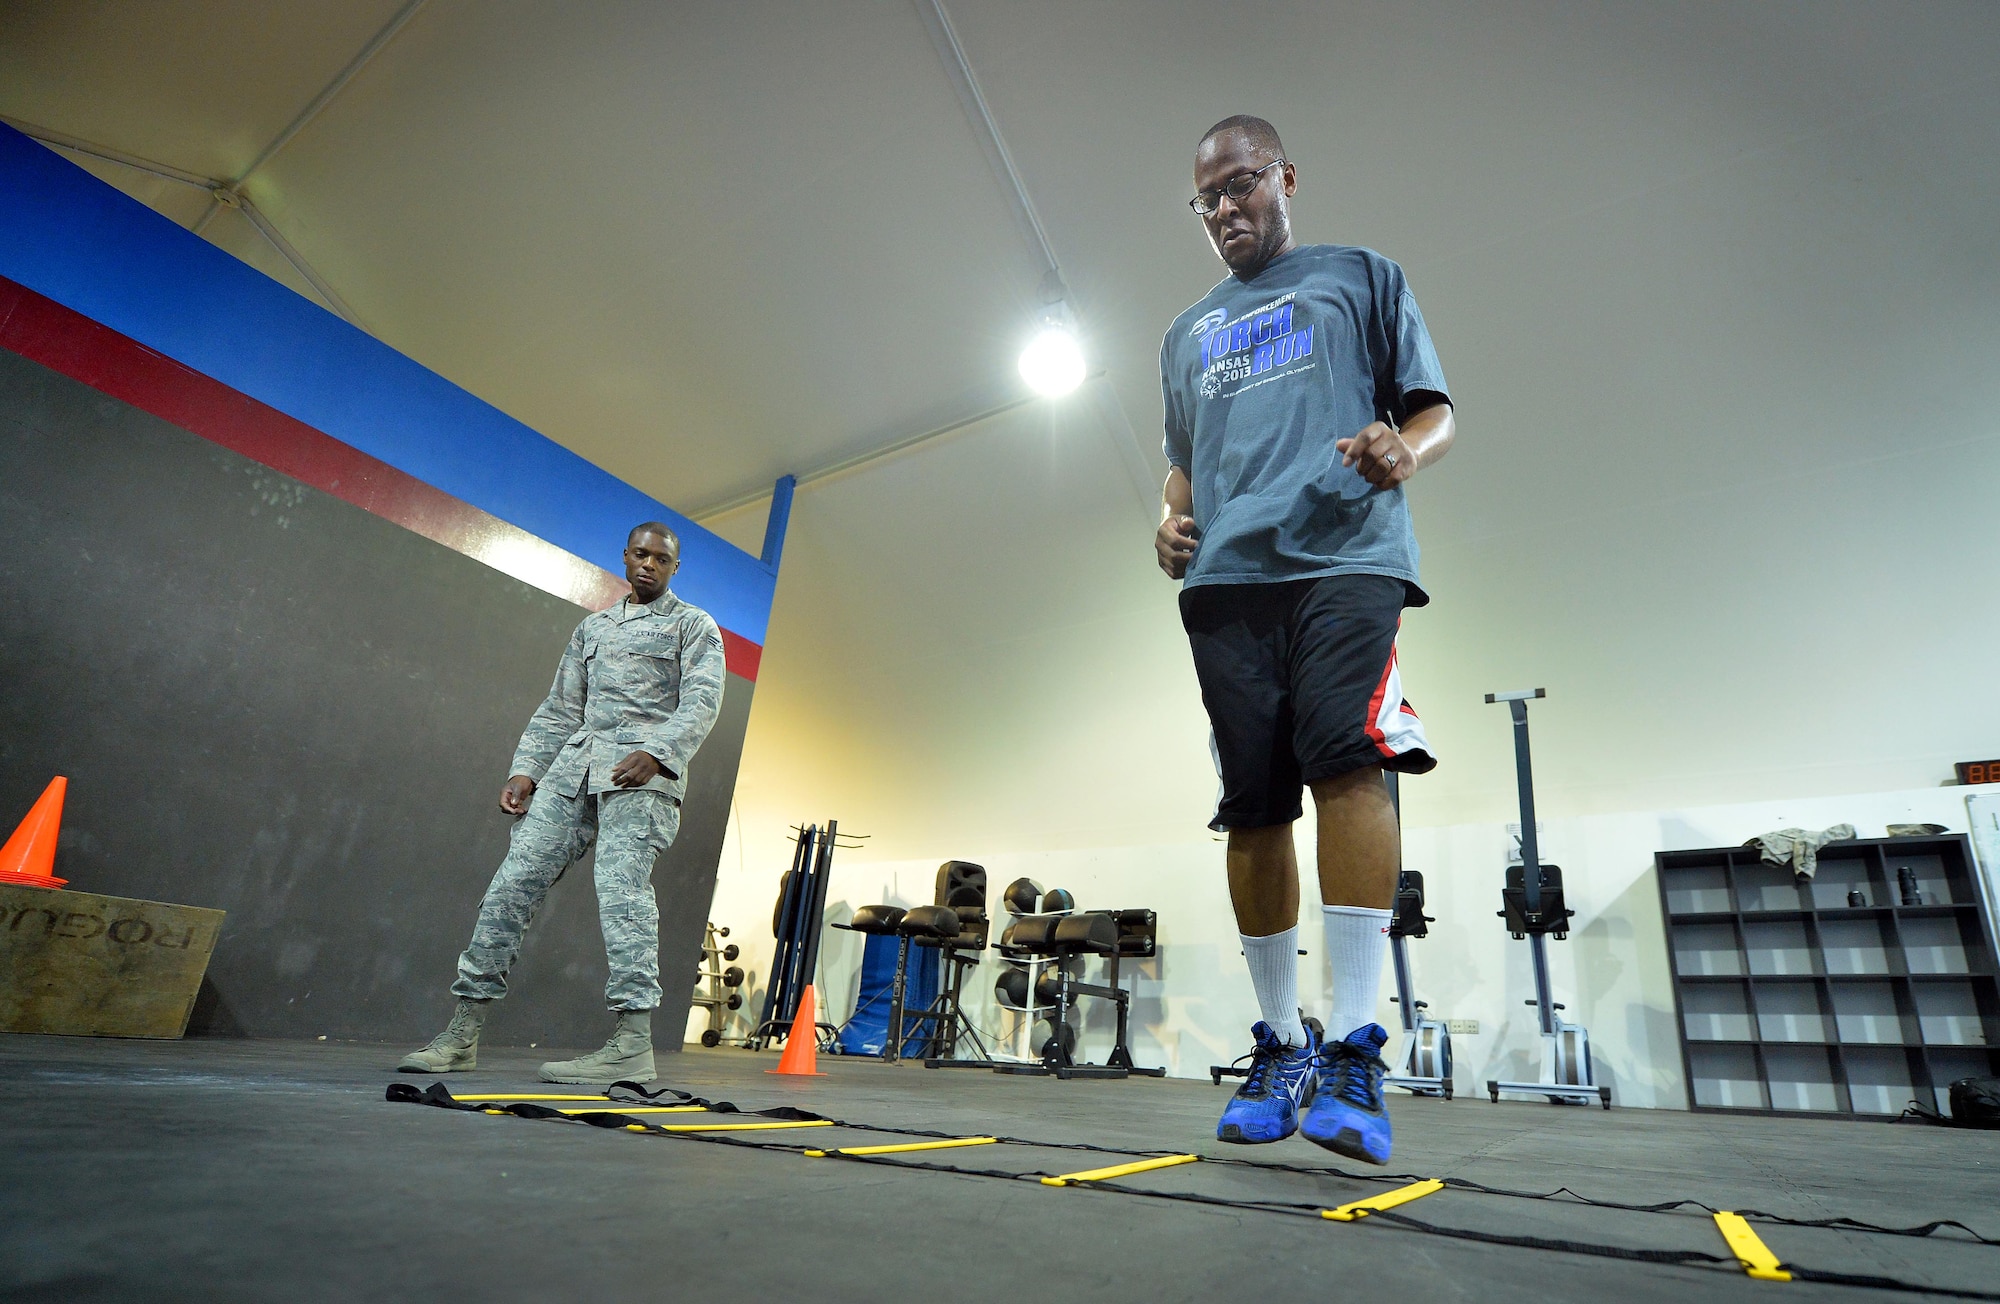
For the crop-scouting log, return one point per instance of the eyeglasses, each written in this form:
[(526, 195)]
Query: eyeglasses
[(1238, 188)]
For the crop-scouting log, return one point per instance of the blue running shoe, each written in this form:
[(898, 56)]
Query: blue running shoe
[(1266, 1107), (1347, 1115)]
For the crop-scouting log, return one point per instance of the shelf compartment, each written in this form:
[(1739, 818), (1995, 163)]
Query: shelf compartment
[(1697, 890), (1717, 1011), (1707, 951), (1802, 1078), (1839, 875), (1941, 885), (1726, 1077), (1933, 944), (1878, 1079), (1790, 1012), (1854, 946), (1867, 1014), (1766, 887), (1948, 1013), (1778, 947)]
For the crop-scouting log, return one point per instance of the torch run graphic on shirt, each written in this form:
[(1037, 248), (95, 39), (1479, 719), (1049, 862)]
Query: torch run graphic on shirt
[(1257, 344)]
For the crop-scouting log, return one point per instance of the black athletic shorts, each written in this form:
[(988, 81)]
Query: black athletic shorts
[(1300, 683)]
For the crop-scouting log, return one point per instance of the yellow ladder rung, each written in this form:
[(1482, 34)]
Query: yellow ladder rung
[(1387, 1200), (509, 1095), (639, 1109), (905, 1148), (741, 1127), (1121, 1170), (1749, 1248)]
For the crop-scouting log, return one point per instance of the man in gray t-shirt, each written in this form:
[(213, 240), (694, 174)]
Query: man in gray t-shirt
[(1301, 394)]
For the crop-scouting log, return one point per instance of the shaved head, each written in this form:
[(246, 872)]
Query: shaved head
[(1243, 189), (1260, 135), (654, 527)]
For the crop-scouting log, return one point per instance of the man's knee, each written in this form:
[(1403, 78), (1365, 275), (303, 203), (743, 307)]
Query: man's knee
[(1364, 784), (1266, 846), (1260, 835)]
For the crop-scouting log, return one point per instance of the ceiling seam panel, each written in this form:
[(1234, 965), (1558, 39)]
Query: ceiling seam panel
[(167, 172), (256, 218), (317, 105), (78, 145), (1117, 424), (857, 461), (959, 68)]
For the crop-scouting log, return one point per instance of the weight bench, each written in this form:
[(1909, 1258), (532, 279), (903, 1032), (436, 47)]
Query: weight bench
[(937, 927), (1067, 938)]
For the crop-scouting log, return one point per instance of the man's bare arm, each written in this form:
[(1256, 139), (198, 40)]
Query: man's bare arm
[(1174, 542), (1386, 457)]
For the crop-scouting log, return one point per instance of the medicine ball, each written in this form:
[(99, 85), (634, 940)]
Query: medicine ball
[(1057, 901), (1021, 896), (1012, 989), (1048, 1042)]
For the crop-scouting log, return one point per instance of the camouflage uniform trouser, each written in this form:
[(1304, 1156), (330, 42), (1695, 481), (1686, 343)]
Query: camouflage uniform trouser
[(631, 829)]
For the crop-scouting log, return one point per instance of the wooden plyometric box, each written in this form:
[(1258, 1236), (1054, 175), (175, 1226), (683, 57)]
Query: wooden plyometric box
[(84, 965)]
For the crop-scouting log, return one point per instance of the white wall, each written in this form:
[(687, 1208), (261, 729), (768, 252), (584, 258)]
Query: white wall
[(1715, 287), (1194, 1002)]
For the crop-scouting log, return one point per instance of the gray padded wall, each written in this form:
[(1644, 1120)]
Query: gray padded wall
[(274, 703)]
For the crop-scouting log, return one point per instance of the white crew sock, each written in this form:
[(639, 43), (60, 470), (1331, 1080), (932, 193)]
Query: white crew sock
[(1357, 938), (1274, 973)]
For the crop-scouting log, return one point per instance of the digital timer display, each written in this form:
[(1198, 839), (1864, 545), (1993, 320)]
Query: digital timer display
[(1978, 771)]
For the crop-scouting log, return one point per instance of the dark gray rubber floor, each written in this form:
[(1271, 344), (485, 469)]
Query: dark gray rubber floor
[(276, 1171)]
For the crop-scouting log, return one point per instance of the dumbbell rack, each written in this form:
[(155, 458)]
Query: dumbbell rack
[(720, 983)]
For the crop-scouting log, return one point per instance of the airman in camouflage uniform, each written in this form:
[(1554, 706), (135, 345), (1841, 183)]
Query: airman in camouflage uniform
[(605, 760)]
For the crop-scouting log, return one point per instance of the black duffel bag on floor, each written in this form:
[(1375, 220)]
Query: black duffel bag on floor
[(1975, 1102)]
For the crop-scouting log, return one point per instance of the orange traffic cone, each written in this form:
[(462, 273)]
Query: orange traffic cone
[(29, 858), (801, 1057)]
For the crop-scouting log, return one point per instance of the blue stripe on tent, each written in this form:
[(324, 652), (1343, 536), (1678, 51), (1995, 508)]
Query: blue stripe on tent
[(94, 249)]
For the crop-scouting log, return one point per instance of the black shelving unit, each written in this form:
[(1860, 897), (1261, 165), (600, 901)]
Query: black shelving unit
[(1792, 1001)]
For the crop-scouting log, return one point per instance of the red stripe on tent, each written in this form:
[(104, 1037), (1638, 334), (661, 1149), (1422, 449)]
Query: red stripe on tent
[(743, 656), (44, 331)]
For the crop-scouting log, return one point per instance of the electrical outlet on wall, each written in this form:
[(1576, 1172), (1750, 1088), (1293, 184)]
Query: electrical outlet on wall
[(1462, 1027)]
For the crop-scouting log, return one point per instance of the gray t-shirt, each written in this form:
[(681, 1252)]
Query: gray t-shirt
[(1261, 377)]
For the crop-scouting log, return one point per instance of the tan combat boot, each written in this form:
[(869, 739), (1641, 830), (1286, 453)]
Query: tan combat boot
[(627, 1057), (456, 1049)]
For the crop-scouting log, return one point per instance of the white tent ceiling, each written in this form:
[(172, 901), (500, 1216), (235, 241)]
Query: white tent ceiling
[(1714, 284)]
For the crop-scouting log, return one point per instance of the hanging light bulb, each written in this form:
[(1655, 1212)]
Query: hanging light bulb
[(1052, 364)]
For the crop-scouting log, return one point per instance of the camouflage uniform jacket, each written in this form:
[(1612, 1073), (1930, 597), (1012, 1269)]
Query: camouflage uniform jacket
[(634, 678)]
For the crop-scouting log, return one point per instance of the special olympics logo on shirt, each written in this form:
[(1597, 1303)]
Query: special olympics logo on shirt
[(1208, 323)]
